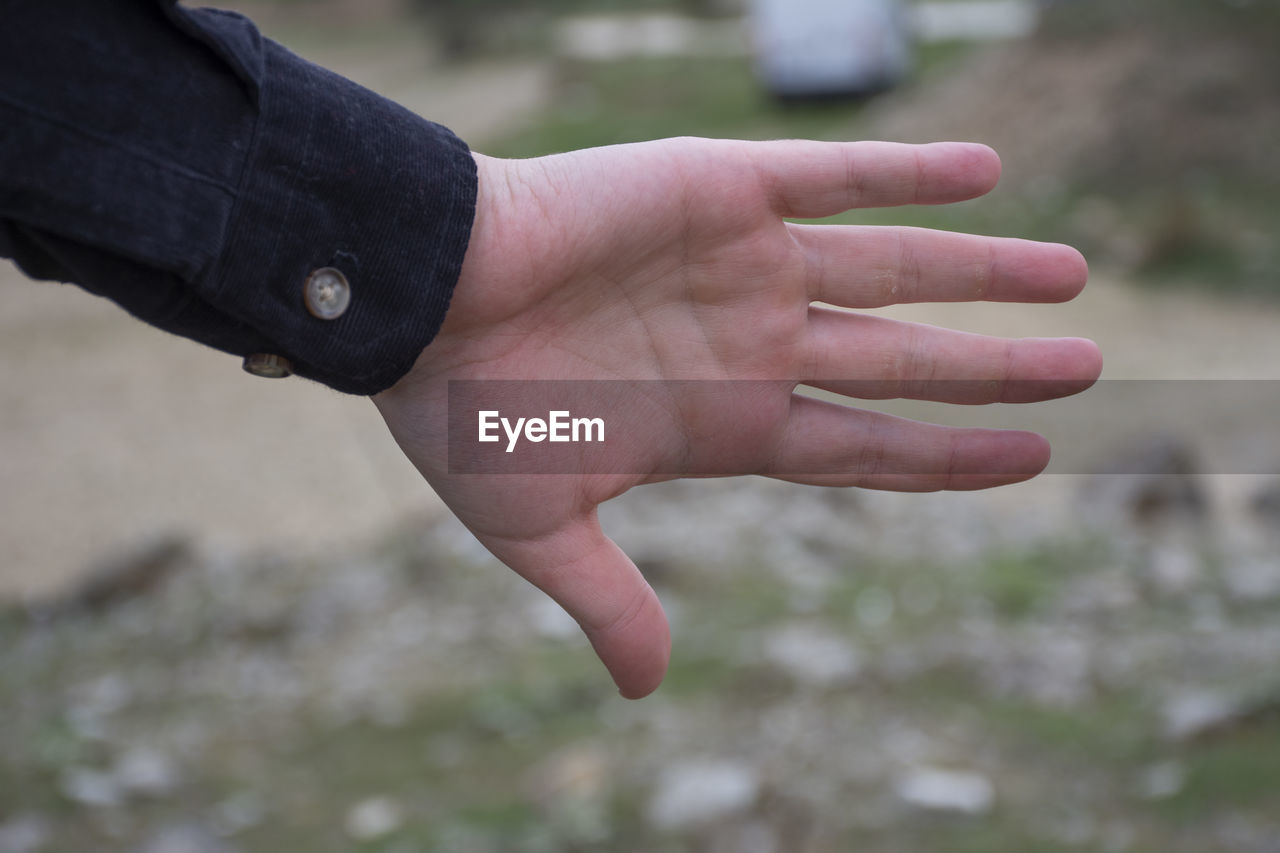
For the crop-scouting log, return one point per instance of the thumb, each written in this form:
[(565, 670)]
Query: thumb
[(598, 585)]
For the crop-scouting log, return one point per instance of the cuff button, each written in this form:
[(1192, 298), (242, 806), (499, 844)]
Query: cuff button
[(268, 366), (327, 294)]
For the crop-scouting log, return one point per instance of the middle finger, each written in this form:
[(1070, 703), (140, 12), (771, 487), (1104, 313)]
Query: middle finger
[(877, 358), (860, 266)]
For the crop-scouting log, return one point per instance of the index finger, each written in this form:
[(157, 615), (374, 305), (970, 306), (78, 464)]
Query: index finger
[(808, 180)]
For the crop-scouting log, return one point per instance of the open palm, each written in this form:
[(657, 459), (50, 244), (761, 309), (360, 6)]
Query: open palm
[(673, 261)]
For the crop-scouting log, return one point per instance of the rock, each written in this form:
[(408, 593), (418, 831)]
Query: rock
[(578, 772), (1117, 836), (25, 834), (389, 710), (874, 608), (139, 772), (185, 838), (752, 837), (920, 596), (87, 724), (1073, 828), (94, 703), (1265, 503), (106, 695), (1102, 591), (1161, 781), (813, 655), (938, 789), (1202, 715), (146, 772), (549, 620), (906, 745), (89, 787), (1173, 568), (1252, 579), (657, 570), (374, 818), (1191, 714), (1208, 616), (242, 810), (1154, 479), (694, 793), (1050, 666), (446, 751)]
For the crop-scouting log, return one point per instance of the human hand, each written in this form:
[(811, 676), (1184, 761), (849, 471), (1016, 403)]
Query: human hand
[(672, 260)]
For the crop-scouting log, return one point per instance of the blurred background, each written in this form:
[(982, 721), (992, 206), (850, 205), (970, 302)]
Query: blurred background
[(234, 618)]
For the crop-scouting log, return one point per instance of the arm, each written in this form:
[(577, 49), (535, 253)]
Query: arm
[(176, 162)]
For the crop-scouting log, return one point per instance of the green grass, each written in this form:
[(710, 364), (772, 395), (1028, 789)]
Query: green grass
[(1239, 772), (638, 100), (635, 100), (1218, 238), (1018, 583)]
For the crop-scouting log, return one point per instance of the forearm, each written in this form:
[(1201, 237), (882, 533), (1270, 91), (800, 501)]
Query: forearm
[(197, 174)]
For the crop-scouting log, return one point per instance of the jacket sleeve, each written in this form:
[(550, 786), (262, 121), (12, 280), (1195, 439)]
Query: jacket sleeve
[(176, 162)]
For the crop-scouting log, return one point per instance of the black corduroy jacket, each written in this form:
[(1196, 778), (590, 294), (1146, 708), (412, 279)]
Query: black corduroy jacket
[(178, 163)]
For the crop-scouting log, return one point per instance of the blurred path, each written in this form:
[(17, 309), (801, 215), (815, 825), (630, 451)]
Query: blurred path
[(112, 432)]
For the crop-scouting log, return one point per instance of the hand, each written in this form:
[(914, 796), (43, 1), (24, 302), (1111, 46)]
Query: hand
[(672, 260)]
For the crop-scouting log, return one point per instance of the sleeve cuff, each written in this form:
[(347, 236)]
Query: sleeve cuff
[(340, 178)]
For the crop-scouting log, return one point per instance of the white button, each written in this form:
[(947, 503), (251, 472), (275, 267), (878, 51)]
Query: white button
[(267, 365), (327, 293)]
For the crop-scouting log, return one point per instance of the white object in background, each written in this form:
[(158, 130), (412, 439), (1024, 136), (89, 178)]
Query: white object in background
[(974, 20), (938, 789), (829, 47)]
